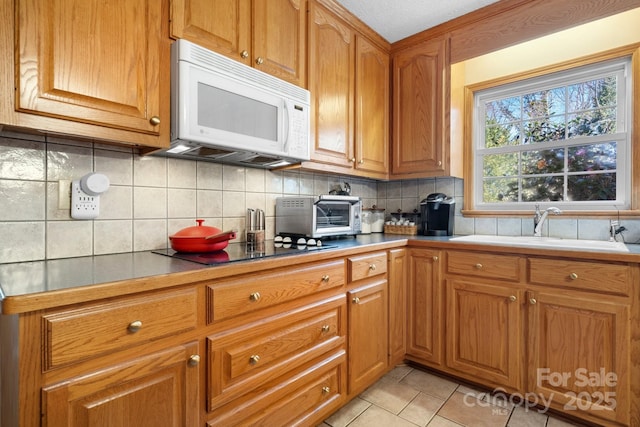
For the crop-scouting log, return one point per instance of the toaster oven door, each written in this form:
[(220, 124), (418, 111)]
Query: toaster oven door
[(336, 217)]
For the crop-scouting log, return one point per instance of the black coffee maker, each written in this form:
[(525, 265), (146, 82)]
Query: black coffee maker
[(436, 213)]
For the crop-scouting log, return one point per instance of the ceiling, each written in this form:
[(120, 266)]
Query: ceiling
[(397, 19)]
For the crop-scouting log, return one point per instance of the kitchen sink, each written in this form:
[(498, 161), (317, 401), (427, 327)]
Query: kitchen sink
[(544, 242)]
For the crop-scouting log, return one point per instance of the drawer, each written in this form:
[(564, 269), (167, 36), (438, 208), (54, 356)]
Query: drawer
[(369, 265), (243, 358), (482, 264), (74, 335), (602, 277), (257, 291), (304, 398)]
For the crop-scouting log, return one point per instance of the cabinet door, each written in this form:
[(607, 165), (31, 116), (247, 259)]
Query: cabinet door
[(397, 273), (484, 330), (420, 100), (331, 76), (372, 107), (425, 299), (367, 334), (579, 353), (280, 39), (160, 389), (223, 26), (94, 61)]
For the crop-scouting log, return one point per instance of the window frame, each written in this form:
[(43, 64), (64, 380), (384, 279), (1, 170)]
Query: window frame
[(473, 179)]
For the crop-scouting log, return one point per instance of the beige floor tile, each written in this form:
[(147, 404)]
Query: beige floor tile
[(390, 395), (439, 421), (430, 384), (558, 422), (399, 372), (421, 409), (471, 412), (348, 413), (523, 417), (378, 417)]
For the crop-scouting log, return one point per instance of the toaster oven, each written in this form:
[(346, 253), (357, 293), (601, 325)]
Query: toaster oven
[(316, 217)]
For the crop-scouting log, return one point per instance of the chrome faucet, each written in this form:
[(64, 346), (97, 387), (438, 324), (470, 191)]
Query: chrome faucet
[(540, 217)]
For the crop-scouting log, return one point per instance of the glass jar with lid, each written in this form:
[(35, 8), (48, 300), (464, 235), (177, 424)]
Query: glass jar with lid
[(377, 219)]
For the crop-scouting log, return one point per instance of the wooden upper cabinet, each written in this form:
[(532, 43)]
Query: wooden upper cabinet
[(269, 35), (420, 107), (349, 84), (331, 80), (372, 107), (94, 62)]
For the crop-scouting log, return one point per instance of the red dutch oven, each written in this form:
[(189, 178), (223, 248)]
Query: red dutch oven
[(201, 238)]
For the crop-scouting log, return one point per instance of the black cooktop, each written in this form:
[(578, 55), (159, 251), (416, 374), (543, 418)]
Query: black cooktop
[(238, 252)]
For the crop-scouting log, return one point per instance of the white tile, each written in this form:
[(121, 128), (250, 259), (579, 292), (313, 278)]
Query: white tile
[(291, 184), (209, 176), (116, 165), (117, 203), (270, 204), (150, 171), (593, 229), (273, 181), (111, 237), (233, 178), (22, 159), (233, 204), (307, 184), (410, 189), (486, 226), (66, 239), (561, 227), (22, 200), (463, 226), (426, 187), (320, 184), (181, 173), (149, 202), (446, 186), (181, 203), (209, 203), (255, 180), (150, 234), (510, 226), (68, 162), (255, 201), (27, 241)]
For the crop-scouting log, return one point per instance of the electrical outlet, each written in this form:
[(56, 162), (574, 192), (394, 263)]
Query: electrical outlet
[(83, 205), (64, 194)]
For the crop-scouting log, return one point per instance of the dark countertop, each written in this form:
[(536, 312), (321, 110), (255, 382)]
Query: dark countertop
[(36, 279)]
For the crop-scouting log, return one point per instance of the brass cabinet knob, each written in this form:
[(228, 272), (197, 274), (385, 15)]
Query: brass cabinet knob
[(194, 359), (155, 120), (244, 54), (255, 296), (435, 258), (325, 328), (326, 390), (352, 160), (135, 326), (532, 301), (513, 298), (372, 267), (360, 162), (439, 162), (254, 359), (478, 266), (573, 276), (356, 300), (325, 278), (259, 60)]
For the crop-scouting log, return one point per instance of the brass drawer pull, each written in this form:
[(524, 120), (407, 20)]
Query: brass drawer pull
[(244, 54), (372, 267), (135, 326), (326, 328), (155, 120), (513, 298), (532, 301), (478, 266), (254, 359), (259, 60), (573, 276), (326, 390), (435, 258), (194, 360), (255, 296), (325, 278), (356, 300)]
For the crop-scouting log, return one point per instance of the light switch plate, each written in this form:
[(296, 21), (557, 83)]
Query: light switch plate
[(64, 194), (83, 206)]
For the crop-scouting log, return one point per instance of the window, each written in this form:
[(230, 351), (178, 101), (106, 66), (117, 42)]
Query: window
[(561, 139)]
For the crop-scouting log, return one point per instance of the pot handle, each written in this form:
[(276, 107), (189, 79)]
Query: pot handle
[(221, 237)]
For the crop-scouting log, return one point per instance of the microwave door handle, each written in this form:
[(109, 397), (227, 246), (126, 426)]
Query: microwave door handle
[(285, 126)]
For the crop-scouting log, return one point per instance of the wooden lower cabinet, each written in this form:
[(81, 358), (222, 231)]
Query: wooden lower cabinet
[(484, 332), (425, 300), (397, 287), (579, 353), (156, 390)]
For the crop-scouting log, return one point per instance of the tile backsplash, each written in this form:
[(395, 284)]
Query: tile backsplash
[(152, 197)]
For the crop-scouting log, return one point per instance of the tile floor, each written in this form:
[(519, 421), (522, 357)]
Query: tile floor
[(408, 397)]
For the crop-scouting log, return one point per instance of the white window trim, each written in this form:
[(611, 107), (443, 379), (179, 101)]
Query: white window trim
[(620, 65)]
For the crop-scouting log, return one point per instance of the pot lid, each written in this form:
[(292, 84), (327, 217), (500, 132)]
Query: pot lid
[(197, 230)]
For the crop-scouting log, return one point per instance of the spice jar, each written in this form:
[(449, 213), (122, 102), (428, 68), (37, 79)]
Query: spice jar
[(377, 220)]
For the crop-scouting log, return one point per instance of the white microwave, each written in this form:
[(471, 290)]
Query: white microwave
[(227, 112)]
